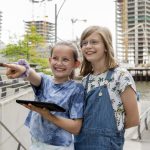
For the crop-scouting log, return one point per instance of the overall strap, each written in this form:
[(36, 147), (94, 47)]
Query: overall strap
[(86, 88), (107, 79), (109, 74), (86, 84)]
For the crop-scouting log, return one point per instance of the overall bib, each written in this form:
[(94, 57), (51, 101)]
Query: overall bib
[(99, 131)]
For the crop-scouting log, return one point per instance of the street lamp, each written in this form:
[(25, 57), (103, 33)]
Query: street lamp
[(74, 20), (56, 13), (56, 18)]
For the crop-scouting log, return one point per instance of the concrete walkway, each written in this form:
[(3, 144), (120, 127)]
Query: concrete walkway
[(143, 144)]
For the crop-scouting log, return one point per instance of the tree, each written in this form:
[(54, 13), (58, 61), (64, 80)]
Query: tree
[(31, 41), (25, 48)]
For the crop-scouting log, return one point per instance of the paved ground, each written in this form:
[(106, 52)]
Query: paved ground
[(143, 144), (131, 142)]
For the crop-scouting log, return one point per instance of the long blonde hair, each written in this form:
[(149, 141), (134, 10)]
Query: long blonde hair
[(106, 36)]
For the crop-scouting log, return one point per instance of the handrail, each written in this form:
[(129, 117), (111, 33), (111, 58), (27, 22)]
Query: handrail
[(19, 143), (145, 117)]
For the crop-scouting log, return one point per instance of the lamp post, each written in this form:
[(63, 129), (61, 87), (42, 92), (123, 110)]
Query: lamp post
[(56, 13), (56, 18), (74, 20)]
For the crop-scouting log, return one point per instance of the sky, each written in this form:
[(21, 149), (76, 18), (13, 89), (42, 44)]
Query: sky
[(95, 12)]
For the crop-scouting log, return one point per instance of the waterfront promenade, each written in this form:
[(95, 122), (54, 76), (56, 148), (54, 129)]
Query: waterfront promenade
[(13, 115), (143, 144), (132, 141)]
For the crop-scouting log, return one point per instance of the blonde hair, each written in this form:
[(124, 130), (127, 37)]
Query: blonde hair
[(106, 36), (74, 52)]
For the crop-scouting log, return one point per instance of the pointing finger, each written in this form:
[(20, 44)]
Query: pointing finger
[(1, 64), (7, 65)]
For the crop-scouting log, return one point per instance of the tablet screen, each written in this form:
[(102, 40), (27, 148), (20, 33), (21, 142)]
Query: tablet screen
[(49, 106)]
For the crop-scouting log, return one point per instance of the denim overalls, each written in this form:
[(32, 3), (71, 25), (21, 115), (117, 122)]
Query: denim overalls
[(99, 131)]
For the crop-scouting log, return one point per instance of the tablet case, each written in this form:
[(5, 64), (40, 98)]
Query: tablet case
[(49, 106)]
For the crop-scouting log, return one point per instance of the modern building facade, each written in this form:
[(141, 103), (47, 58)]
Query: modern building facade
[(0, 24), (133, 31), (44, 28)]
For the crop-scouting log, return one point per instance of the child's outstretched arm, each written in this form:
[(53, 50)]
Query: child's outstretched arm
[(131, 109), (15, 71)]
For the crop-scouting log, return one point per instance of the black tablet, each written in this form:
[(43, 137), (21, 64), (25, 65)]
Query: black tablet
[(50, 106)]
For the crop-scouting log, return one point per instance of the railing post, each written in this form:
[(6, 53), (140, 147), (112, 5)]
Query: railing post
[(13, 137), (139, 133), (146, 125), (18, 146)]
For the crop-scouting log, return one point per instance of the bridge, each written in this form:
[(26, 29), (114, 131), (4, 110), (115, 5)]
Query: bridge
[(140, 74), (14, 135)]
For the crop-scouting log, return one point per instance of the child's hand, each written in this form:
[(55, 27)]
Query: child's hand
[(43, 111), (14, 70)]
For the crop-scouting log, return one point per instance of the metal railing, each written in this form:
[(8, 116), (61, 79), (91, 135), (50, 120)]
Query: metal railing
[(144, 120), (10, 87), (14, 137)]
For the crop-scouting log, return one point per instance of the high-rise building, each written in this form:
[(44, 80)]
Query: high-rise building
[(133, 31), (43, 28), (0, 24)]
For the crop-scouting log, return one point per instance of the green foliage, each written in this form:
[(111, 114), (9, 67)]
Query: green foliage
[(46, 71), (25, 48), (33, 38), (43, 62), (14, 52)]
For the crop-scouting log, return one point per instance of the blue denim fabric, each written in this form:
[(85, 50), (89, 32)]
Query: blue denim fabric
[(69, 95), (99, 131)]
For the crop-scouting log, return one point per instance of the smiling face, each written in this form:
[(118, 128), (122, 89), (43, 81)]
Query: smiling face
[(97, 49), (93, 48), (62, 62)]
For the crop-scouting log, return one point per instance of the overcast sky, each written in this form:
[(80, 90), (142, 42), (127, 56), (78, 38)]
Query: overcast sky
[(96, 12)]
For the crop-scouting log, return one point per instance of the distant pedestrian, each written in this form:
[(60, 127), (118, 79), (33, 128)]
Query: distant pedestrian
[(53, 130), (110, 104)]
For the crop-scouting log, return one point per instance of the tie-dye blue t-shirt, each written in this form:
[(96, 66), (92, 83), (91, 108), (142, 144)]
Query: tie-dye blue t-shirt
[(69, 95)]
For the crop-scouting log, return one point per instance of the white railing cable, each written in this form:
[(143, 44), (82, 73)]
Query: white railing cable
[(144, 120), (14, 137)]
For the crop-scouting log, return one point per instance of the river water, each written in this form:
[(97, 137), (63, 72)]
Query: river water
[(144, 89)]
